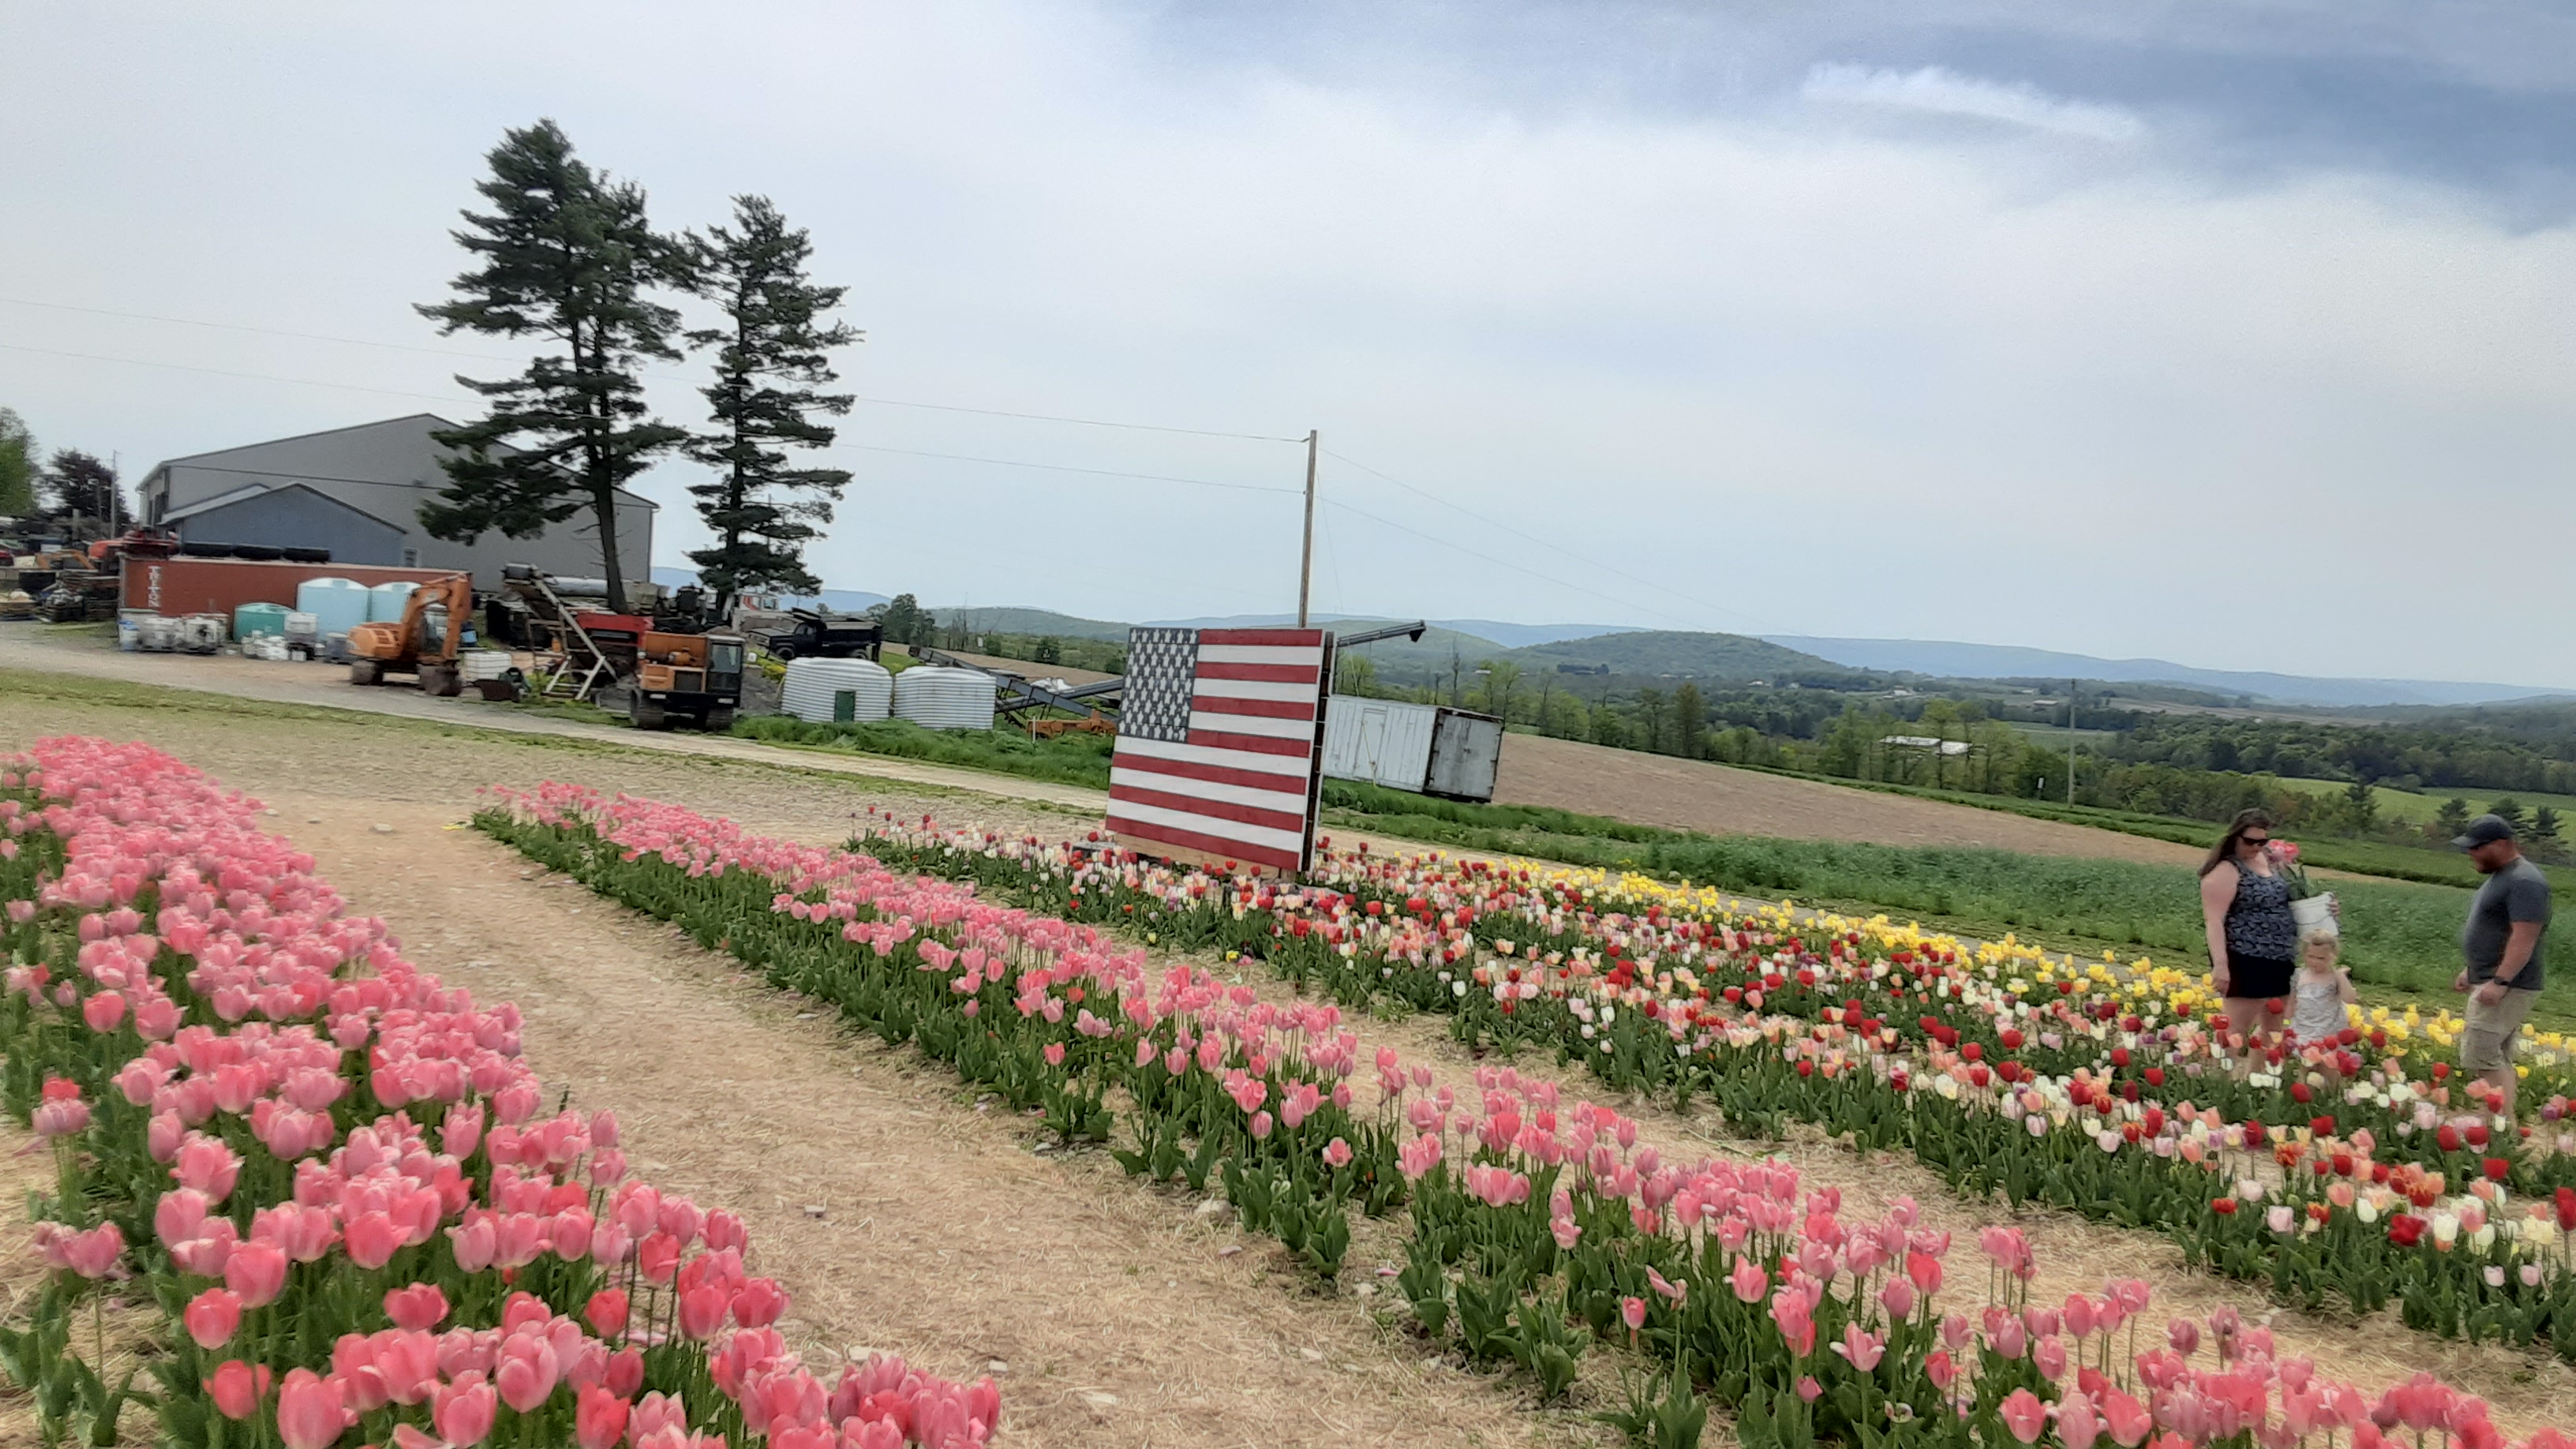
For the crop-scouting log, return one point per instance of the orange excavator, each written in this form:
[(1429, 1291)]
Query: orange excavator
[(423, 643)]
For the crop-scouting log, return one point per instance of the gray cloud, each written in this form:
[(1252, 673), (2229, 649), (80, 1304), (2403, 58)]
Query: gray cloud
[(1940, 91)]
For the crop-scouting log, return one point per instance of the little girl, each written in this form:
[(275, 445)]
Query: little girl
[(2321, 990)]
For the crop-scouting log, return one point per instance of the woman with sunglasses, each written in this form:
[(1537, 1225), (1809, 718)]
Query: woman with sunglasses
[(2252, 937)]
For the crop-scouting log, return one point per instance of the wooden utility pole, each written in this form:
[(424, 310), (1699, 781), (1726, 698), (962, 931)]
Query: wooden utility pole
[(1306, 554)]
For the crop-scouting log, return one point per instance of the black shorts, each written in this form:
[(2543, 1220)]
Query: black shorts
[(2257, 977)]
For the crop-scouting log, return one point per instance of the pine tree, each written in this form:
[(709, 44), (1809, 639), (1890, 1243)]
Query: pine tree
[(564, 254), (17, 467), (84, 488), (1690, 721), (771, 357), (2451, 818)]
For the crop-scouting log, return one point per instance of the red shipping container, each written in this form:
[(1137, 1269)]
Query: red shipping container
[(176, 586)]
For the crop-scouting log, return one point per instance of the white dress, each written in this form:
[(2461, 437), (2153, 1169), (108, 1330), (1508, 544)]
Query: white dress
[(2317, 1011)]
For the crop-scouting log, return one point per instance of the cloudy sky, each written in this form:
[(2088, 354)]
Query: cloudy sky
[(2244, 336)]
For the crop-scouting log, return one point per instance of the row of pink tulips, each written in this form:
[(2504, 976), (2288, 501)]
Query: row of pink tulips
[(334, 1176)]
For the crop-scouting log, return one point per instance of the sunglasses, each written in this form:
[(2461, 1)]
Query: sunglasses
[(2255, 840)]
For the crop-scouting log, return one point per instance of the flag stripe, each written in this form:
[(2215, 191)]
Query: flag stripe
[(1271, 673), (1216, 782), (1297, 732), (1268, 837), (1302, 750), (1300, 638), (1259, 654), (1292, 819), (1176, 837), (1300, 692), (1250, 709), (1177, 758)]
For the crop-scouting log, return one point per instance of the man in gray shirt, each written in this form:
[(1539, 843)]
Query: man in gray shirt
[(2508, 923)]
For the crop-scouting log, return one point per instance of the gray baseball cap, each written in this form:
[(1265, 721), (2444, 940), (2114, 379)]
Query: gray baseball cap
[(2485, 830)]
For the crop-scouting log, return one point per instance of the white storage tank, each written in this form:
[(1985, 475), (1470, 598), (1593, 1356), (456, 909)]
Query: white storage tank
[(940, 698), (337, 605), (385, 602), (826, 691)]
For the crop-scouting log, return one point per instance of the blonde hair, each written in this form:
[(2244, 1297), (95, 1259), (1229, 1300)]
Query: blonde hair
[(2317, 935)]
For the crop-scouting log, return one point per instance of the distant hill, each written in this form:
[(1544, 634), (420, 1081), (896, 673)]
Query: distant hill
[(985, 619), (1679, 654), (1950, 660)]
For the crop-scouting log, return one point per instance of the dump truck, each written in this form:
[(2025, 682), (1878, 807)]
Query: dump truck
[(811, 634), (693, 676), (422, 643)]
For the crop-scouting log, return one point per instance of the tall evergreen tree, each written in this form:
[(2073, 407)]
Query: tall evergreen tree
[(84, 488), (17, 467), (772, 357), (564, 254)]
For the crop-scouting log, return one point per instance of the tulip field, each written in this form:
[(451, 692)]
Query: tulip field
[(331, 1189), (333, 1181), (2351, 1172)]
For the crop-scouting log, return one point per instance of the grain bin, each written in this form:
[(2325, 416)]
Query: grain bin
[(385, 602), (825, 691), (252, 619), (337, 605), (940, 698)]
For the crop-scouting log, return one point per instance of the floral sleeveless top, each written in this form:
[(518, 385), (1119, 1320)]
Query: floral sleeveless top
[(2258, 920)]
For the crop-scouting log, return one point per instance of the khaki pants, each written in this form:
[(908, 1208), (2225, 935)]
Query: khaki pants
[(2487, 1046)]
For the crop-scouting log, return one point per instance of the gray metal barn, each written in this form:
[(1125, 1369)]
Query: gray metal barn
[(353, 485)]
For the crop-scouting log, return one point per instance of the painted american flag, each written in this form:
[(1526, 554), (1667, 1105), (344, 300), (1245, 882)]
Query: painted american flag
[(1220, 739)]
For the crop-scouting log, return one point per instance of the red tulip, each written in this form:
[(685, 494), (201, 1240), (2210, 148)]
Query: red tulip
[(599, 1420), (606, 1312), (237, 1389)]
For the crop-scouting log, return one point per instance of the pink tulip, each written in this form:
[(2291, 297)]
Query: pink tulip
[(758, 1303), (1749, 1281), (463, 1411), (92, 1253), (1634, 1311), (2128, 1421), (2077, 1424), (311, 1410), (2050, 1356), (473, 1244), (1337, 1153), (104, 1012), (625, 1372), (1863, 1350), (212, 1317), (417, 1307), (702, 1311), (526, 1377), (408, 1363), (2023, 1414), (256, 1271), (599, 1419), (1897, 1297)]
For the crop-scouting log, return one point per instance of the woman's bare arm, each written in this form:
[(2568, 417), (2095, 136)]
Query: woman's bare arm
[(2217, 893)]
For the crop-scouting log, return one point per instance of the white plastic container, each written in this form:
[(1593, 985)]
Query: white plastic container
[(303, 628), (202, 633), (479, 664), (385, 602), (129, 628), (940, 698), (337, 605), (156, 634), (822, 691)]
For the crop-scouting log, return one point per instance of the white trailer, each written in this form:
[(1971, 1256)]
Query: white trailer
[(1426, 749)]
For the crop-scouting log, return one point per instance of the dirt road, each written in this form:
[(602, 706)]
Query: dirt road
[(1691, 795)]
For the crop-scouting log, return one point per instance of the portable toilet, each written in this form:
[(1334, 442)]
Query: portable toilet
[(337, 605), (385, 602)]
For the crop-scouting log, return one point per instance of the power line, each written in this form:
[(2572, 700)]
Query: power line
[(1502, 562), (889, 402), (226, 372), (1068, 468), (1534, 538)]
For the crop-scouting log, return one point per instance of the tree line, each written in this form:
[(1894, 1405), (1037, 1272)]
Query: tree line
[(72, 493), (567, 254)]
